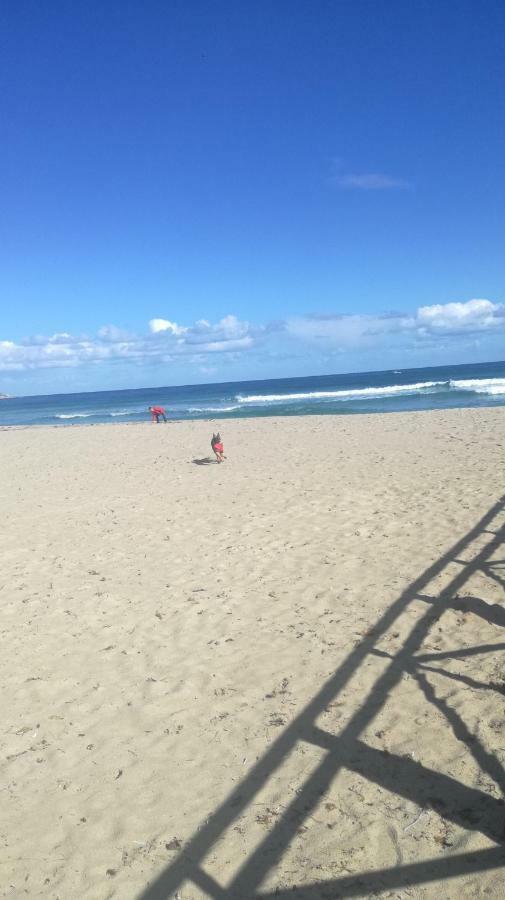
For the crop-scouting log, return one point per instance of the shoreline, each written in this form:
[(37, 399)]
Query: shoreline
[(269, 417)]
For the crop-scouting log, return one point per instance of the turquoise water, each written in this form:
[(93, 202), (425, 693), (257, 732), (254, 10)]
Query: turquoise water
[(396, 390)]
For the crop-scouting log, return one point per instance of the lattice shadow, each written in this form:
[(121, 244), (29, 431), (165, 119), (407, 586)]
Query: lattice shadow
[(468, 807)]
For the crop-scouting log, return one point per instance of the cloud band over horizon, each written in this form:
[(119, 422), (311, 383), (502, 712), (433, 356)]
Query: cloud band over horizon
[(166, 341)]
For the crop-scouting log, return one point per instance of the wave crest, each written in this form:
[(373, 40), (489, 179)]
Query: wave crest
[(493, 386), (217, 409), (352, 393)]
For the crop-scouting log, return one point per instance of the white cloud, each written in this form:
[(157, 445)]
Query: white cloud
[(475, 315), (428, 322), (233, 327), (344, 332), (165, 342), (168, 342), (113, 334), (226, 346), (226, 330), (157, 325)]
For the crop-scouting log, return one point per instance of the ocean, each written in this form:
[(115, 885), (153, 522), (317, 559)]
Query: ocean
[(395, 390)]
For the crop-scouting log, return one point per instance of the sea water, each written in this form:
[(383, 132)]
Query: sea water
[(395, 390)]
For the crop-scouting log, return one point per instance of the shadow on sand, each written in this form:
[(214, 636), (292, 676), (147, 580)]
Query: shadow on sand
[(469, 807)]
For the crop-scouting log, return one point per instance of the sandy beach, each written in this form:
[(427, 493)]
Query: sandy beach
[(282, 676)]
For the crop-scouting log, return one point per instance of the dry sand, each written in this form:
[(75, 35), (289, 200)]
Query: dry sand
[(197, 700)]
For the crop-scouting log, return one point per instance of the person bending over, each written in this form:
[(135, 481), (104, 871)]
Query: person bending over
[(157, 412)]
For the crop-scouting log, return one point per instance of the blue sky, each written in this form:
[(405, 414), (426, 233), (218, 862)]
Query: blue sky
[(274, 180)]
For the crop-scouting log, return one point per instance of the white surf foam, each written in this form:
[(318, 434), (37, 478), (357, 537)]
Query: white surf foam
[(74, 416), (371, 392), (493, 386), (206, 409)]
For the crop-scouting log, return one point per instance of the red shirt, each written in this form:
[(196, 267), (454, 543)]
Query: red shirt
[(157, 410)]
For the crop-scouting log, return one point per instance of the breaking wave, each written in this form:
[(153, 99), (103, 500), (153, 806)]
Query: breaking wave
[(351, 394), (208, 409), (74, 416), (493, 386), (490, 386)]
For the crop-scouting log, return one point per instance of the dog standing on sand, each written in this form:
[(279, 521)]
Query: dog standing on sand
[(217, 446)]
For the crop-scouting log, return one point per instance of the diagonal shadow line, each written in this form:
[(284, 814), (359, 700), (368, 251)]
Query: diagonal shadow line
[(487, 761), (262, 860), (491, 612), (466, 806), (465, 679), (462, 679), (456, 654), (370, 883), (274, 845), (208, 884), (488, 572)]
